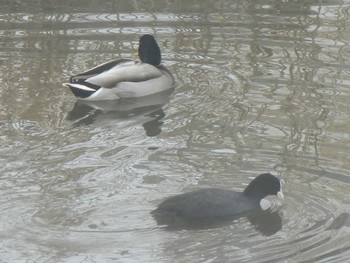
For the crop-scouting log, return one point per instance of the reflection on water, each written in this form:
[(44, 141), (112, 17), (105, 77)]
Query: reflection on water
[(339, 222), (266, 222), (123, 113), (261, 86)]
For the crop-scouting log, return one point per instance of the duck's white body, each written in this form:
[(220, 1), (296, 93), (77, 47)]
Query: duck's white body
[(120, 78)]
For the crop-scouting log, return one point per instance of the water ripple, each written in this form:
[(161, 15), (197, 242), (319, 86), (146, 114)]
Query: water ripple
[(260, 87)]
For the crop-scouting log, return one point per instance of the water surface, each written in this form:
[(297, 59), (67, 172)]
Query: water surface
[(260, 87)]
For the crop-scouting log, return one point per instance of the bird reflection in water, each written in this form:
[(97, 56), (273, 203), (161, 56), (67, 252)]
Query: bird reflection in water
[(266, 222), (146, 111)]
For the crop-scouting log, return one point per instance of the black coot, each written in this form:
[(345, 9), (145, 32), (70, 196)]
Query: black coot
[(215, 204)]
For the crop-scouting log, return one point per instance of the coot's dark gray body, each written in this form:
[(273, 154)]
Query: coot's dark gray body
[(206, 203), (215, 204)]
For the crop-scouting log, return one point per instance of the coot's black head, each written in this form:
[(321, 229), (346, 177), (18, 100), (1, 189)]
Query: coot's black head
[(149, 51), (262, 186)]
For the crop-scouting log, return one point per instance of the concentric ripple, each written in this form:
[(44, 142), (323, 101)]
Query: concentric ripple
[(261, 87)]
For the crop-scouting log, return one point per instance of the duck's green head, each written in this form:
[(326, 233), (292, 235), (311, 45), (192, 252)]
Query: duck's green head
[(149, 51)]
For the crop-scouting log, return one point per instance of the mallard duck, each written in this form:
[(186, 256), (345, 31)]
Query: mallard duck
[(125, 78)]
